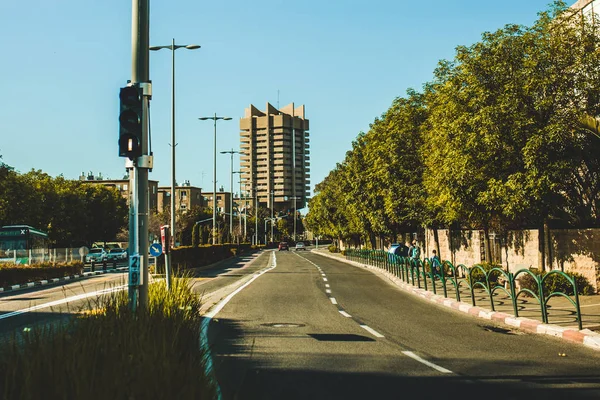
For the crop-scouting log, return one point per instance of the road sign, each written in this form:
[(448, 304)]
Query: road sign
[(134, 270), (83, 251), (155, 249)]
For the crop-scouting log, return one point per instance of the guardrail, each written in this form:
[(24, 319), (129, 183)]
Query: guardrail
[(420, 273)]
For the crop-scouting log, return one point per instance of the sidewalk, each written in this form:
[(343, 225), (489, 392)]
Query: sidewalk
[(561, 313)]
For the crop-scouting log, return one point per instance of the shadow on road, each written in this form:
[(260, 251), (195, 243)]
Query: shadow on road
[(244, 374)]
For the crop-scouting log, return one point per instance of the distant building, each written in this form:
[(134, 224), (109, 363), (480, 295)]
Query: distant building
[(275, 158), (223, 200), (122, 185), (588, 7), (187, 197)]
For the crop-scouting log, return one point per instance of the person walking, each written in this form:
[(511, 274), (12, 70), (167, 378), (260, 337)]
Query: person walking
[(414, 251), (435, 262)]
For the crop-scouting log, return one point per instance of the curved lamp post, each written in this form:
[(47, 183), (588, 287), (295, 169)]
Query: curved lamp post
[(215, 119), (173, 47)]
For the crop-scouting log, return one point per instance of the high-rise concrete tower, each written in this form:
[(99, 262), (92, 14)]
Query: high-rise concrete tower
[(275, 156)]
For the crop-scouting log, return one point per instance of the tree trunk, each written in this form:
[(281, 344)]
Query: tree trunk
[(486, 244), (436, 243)]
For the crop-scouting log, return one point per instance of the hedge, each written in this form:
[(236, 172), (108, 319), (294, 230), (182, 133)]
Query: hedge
[(14, 274)]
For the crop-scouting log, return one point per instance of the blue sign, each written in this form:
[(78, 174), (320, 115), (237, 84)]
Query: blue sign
[(155, 249)]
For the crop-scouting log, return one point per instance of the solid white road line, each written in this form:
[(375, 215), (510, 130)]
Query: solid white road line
[(372, 331), (63, 301), (345, 314), (429, 364)]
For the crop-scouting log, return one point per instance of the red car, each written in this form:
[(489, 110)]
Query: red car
[(284, 246)]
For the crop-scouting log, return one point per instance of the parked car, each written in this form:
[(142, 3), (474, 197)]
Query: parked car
[(300, 246), (283, 246), (117, 254), (97, 254)]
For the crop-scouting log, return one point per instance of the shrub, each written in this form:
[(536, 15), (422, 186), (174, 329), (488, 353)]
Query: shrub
[(333, 248), (13, 274), (111, 352), (479, 276), (556, 283)]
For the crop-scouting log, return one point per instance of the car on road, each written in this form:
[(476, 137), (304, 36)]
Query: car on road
[(117, 254), (300, 246), (96, 254), (283, 246)]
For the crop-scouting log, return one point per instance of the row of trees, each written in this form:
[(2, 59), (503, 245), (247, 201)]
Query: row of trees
[(73, 213), (503, 137)]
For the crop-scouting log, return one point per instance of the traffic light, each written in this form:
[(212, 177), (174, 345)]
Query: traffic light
[(130, 122)]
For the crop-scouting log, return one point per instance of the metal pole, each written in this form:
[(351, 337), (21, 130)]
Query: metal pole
[(256, 214), (231, 202), (272, 201), (239, 213), (173, 144), (140, 33), (294, 167), (215, 184)]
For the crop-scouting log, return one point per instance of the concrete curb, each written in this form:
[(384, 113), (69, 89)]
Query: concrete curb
[(28, 285), (586, 337)]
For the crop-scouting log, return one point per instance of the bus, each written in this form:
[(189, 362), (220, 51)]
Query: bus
[(23, 244)]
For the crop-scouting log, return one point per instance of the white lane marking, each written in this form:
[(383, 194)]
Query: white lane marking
[(429, 364), (372, 331), (325, 279), (345, 314), (213, 311), (323, 275), (328, 291), (327, 285), (223, 302), (63, 301), (333, 300)]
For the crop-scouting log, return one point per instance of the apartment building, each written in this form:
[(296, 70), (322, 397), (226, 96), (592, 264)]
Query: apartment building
[(187, 196), (275, 156), (124, 188)]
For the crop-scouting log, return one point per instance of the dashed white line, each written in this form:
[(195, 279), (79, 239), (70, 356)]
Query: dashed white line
[(429, 364), (327, 285), (333, 300), (345, 314), (325, 279), (328, 291), (372, 331)]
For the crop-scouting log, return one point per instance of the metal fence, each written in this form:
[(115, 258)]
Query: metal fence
[(38, 256), (457, 279)]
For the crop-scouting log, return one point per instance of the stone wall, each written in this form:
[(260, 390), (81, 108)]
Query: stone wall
[(571, 250)]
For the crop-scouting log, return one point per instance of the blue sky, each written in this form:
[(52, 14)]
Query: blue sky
[(346, 60)]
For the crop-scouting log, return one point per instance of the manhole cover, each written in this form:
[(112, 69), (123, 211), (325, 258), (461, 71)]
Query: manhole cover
[(283, 325)]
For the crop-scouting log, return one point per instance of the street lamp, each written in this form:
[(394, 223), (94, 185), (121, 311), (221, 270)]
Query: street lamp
[(232, 152), (173, 47), (240, 196), (215, 118)]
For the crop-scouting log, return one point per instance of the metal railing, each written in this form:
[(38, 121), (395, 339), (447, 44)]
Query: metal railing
[(420, 273)]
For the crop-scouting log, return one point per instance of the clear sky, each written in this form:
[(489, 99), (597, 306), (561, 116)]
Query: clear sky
[(64, 61)]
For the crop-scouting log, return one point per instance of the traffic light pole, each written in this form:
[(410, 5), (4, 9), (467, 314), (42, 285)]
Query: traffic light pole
[(140, 76)]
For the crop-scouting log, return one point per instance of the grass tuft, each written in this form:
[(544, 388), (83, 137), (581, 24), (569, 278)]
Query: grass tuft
[(110, 352)]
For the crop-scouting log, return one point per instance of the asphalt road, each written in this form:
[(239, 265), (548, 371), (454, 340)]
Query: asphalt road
[(317, 328), (52, 303)]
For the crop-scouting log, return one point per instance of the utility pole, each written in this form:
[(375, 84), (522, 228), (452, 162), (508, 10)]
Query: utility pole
[(140, 77)]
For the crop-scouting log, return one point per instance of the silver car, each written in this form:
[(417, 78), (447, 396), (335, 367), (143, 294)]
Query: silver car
[(96, 255), (117, 254)]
